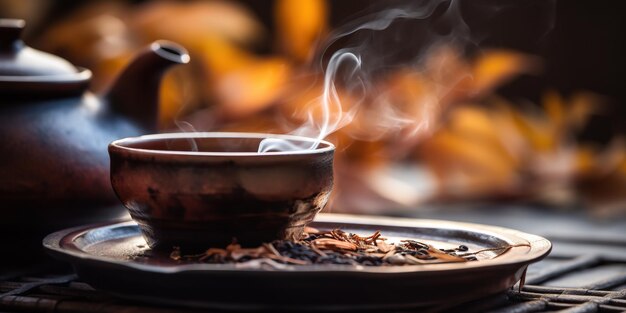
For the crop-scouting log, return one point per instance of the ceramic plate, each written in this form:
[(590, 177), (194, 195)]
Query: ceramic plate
[(113, 258)]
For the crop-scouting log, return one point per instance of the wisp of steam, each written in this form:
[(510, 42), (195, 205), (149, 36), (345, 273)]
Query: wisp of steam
[(330, 103), (405, 35), (356, 74)]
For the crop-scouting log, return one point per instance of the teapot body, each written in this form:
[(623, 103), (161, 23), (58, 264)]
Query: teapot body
[(54, 133), (53, 159)]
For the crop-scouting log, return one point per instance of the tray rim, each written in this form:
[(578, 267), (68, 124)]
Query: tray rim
[(60, 244)]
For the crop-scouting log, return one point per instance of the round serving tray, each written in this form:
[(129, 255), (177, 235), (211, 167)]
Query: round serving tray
[(113, 258)]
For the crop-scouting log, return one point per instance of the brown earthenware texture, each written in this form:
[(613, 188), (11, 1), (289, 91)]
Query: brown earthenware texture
[(197, 204)]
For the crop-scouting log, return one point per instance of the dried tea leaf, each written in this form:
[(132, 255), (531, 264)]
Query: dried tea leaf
[(384, 247), (389, 254), (444, 256), (237, 254), (366, 240), (333, 244), (287, 260), (317, 250), (311, 231), (270, 247), (499, 249), (397, 259), (415, 261)]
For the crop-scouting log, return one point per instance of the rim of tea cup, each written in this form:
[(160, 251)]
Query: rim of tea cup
[(125, 144)]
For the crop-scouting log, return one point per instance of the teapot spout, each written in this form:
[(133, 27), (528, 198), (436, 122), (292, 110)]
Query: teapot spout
[(135, 94)]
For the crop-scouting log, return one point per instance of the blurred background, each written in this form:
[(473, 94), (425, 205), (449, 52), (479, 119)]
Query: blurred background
[(483, 101)]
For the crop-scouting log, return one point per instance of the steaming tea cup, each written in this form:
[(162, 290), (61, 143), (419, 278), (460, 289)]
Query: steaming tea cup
[(200, 190)]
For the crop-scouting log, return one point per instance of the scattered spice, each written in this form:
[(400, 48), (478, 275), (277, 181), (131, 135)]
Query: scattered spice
[(335, 247)]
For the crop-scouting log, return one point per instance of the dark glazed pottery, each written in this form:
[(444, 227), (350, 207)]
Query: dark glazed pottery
[(222, 191), (54, 169)]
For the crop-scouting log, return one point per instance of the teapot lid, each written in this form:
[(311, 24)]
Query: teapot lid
[(24, 70)]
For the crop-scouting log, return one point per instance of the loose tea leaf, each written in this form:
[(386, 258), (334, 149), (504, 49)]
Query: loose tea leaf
[(335, 247), (334, 244)]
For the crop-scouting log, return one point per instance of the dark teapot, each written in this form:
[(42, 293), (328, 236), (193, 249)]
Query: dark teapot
[(54, 166)]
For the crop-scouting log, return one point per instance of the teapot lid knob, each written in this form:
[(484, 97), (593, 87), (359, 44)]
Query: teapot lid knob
[(10, 33)]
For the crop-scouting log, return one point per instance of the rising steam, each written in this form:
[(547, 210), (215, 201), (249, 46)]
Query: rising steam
[(355, 67), (333, 116), (429, 37)]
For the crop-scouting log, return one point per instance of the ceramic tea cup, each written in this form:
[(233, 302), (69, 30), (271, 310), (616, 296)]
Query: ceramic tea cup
[(200, 190)]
